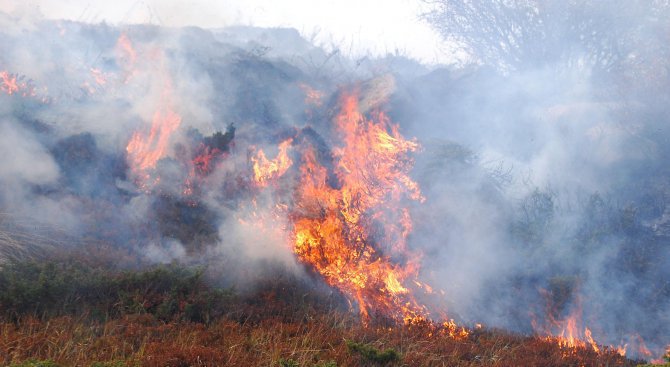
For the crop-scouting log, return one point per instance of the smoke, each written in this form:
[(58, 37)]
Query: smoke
[(543, 166), (542, 161)]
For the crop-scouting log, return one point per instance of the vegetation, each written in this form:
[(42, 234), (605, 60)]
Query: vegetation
[(69, 313), (666, 358), (48, 289), (372, 354)]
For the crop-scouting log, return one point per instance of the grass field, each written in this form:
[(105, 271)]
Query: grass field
[(71, 312)]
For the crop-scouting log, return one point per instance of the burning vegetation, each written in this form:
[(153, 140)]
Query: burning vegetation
[(306, 210)]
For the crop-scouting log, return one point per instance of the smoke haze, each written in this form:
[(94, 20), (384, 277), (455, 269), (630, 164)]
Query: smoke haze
[(542, 161)]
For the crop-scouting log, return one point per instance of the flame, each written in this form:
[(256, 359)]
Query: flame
[(266, 170), (15, 84), (145, 150), (641, 346), (567, 332), (200, 166), (98, 76), (352, 233), (313, 96), (203, 163), (126, 55), (9, 84), (663, 360), (589, 339), (126, 49)]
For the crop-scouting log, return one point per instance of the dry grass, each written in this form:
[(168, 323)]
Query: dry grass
[(24, 238), (306, 340), (281, 323)]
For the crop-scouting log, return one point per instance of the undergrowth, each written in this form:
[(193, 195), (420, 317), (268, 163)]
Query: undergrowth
[(67, 313)]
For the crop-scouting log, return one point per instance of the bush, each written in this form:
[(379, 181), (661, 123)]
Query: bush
[(287, 363), (56, 289), (34, 363), (372, 354)]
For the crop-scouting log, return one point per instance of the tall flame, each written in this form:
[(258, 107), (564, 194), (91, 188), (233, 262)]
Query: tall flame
[(126, 56), (144, 150), (352, 233)]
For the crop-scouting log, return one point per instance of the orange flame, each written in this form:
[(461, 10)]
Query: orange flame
[(353, 233), (9, 84), (126, 55), (15, 84), (203, 163), (313, 97), (126, 49), (570, 333), (145, 150), (567, 332), (266, 170)]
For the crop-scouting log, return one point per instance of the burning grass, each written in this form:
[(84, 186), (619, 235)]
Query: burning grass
[(71, 313)]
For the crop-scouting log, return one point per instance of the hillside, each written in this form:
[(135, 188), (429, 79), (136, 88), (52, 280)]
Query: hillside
[(242, 196)]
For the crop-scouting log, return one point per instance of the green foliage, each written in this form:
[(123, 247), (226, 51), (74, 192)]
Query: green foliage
[(35, 363), (287, 363), (292, 363), (536, 217), (109, 364), (372, 354), (53, 289)]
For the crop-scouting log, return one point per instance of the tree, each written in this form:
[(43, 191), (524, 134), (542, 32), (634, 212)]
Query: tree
[(517, 34)]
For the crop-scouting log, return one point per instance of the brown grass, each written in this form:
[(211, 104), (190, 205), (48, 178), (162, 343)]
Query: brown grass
[(307, 339), (281, 322)]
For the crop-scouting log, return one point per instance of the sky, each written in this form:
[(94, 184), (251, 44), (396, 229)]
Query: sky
[(354, 26)]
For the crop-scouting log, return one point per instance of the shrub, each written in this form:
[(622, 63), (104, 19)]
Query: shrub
[(287, 363), (34, 363), (372, 354), (55, 289)]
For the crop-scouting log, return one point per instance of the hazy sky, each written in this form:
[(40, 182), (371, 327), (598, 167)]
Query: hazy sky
[(379, 26)]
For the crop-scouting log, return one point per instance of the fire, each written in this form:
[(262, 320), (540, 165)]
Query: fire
[(353, 233), (665, 359), (99, 80), (126, 49), (144, 149), (15, 84), (9, 84), (126, 55), (567, 332), (98, 76), (313, 97), (203, 163), (266, 170)]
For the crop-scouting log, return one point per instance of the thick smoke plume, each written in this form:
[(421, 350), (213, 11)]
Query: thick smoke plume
[(539, 161)]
